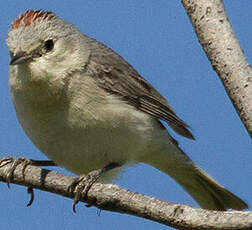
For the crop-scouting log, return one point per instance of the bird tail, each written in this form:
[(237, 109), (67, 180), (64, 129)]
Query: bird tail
[(205, 190)]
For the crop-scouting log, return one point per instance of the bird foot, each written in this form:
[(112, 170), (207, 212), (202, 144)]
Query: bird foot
[(26, 162), (15, 162), (81, 185)]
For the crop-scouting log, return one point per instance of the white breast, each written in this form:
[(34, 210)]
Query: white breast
[(82, 129)]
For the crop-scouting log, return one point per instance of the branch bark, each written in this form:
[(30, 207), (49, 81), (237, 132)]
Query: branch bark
[(218, 40), (111, 197)]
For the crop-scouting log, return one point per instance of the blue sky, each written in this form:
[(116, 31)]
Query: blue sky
[(156, 37)]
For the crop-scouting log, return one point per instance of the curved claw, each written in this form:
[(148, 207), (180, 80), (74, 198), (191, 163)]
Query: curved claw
[(15, 162), (30, 191), (26, 162), (81, 186)]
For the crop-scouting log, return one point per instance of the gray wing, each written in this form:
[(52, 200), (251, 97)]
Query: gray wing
[(116, 76)]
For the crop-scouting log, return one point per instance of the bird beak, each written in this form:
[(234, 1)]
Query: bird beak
[(20, 58)]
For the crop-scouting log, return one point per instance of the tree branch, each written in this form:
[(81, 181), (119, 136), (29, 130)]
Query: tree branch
[(112, 198), (217, 38)]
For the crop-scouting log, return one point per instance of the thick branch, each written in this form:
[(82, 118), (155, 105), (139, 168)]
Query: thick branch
[(111, 197), (223, 50)]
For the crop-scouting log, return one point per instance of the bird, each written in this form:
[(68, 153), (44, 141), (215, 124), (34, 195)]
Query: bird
[(86, 108)]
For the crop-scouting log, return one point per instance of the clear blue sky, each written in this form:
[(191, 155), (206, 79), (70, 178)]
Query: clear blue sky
[(157, 38)]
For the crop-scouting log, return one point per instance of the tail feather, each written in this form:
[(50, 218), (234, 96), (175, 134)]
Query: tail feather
[(209, 194), (205, 190)]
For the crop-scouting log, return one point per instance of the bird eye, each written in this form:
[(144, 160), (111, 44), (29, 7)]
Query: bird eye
[(49, 44)]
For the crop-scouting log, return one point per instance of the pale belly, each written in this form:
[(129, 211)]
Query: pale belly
[(78, 125), (83, 145)]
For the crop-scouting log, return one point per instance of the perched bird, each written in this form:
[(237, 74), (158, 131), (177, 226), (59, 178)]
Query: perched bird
[(86, 108)]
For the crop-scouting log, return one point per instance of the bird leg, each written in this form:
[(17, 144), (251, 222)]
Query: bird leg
[(17, 161), (81, 185)]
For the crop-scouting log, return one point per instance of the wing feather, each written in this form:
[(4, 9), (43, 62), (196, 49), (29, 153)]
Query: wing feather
[(116, 76)]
